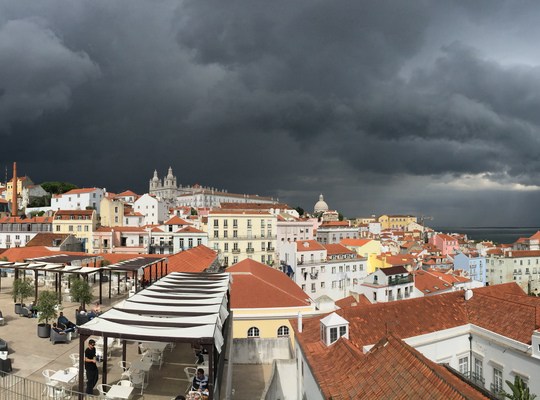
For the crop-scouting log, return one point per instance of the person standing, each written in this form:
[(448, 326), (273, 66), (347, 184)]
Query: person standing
[(90, 365)]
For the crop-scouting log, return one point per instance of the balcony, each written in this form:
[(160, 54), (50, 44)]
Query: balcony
[(250, 250), (270, 249), (400, 281), (314, 276), (475, 378), (235, 251), (391, 298), (497, 391)]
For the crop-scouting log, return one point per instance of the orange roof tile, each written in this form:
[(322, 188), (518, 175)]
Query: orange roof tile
[(81, 190), (256, 285), (308, 245), (197, 259), (176, 221), (332, 249), (189, 229), (355, 242)]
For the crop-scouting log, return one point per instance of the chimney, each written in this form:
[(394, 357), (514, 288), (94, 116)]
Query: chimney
[(14, 206), (299, 322), (468, 294)]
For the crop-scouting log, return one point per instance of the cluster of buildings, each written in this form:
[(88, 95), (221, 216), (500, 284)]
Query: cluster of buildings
[(380, 293)]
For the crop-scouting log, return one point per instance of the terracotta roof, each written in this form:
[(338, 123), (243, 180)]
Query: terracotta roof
[(114, 258), (355, 242), (176, 221), (488, 308), (398, 269), (127, 193), (332, 249), (196, 259), (390, 370), (308, 245), (397, 260), (46, 239), (350, 301), (444, 236), (74, 212), (330, 224), (429, 283), (19, 254), (80, 191), (522, 253), (32, 220), (189, 229), (256, 285), (535, 236)]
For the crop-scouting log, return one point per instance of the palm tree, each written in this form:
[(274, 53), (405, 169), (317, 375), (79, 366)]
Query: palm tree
[(520, 391)]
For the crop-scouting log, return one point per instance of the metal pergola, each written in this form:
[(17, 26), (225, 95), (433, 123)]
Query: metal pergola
[(178, 308)]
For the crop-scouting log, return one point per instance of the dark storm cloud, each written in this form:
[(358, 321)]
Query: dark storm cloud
[(367, 102)]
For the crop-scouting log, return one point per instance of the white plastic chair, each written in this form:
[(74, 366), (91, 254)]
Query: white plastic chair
[(190, 374), (138, 380), (124, 382), (103, 389), (47, 373), (74, 357), (125, 367)]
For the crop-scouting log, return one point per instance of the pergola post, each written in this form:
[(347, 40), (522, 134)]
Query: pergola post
[(35, 286)]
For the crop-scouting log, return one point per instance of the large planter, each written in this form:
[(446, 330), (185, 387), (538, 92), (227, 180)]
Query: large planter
[(18, 308), (44, 330)]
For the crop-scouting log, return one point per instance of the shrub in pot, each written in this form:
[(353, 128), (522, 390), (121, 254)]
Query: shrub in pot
[(22, 289), (46, 307), (80, 291)]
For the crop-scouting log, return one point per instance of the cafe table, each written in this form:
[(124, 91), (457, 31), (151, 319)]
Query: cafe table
[(119, 392), (156, 346), (64, 376)]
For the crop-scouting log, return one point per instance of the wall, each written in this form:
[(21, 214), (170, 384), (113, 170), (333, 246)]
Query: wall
[(282, 382), (260, 351)]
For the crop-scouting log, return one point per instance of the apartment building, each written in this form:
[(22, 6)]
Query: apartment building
[(18, 231), (120, 240), (474, 265), (335, 231), (78, 199), (237, 235), (81, 223), (395, 221), (520, 266), (111, 212), (388, 284)]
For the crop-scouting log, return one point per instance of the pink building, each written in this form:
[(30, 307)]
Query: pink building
[(445, 243)]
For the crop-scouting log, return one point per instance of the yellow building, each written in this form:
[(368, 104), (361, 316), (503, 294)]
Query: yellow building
[(81, 223), (367, 248), (396, 221), (111, 212), (22, 183), (264, 300), (239, 235)]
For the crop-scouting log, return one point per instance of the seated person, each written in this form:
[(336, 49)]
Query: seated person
[(200, 382), (64, 322), (96, 310), (33, 309), (61, 331)]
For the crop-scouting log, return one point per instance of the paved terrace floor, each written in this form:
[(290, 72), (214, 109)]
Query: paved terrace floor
[(31, 355)]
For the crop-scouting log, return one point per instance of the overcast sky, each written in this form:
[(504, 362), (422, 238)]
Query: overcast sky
[(423, 107)]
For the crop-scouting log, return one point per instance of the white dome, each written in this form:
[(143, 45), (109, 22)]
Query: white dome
[(320, 205)]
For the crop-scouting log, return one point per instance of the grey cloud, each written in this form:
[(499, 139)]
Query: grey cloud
[(37, 71)]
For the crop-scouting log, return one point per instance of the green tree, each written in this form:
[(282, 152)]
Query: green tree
[(47, 306), (193, 211), (300, 210), (81, 291), (22, 288), (58, 187), (519, 390), (340, 216)]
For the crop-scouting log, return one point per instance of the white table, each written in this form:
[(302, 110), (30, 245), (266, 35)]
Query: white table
[(156, 346), (119, 392), (62, 377)]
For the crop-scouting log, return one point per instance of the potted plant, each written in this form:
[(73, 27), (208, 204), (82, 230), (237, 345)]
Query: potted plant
[(46, 307), (80, 291), (22, 289)]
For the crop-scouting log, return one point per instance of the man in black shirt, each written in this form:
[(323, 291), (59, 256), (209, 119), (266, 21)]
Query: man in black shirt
[(90, 366)]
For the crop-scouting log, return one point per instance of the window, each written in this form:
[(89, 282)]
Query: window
[(216, 234), (253, 332), (333, 335), (342, 331), (235, 223), (478, 368), (235, 259), (235, 233), (225, 223), (190, 243), (86, 228), (497, 380), (283, 331), (313, 289), (463, 365), (199, 241), (216, 223), (333, 270), (263, 259), (225, 234)]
